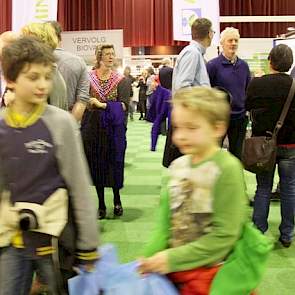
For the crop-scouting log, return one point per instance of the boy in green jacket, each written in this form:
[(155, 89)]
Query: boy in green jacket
[(203, 207)]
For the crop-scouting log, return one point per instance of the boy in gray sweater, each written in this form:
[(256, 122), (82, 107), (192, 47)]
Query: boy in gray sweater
[(43, 175)]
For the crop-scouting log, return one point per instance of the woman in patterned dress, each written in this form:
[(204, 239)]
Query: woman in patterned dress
[(103, 127)]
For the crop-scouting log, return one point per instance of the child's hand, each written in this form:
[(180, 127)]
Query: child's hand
[(157, 263), (89, 267)]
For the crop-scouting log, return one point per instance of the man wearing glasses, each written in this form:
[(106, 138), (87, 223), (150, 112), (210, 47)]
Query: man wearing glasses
[(190, 68)]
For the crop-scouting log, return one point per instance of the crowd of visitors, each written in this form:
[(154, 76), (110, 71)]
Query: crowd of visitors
[(63, 130)]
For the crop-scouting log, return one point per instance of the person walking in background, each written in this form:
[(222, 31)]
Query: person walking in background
[(135, 97), (165, 74), (74, 71), (103, 127), (142, 95), (165, 77), (266, 96), (130, 79), (190, 70), (232, 73), (46, 34), (159, 111), (149, 91)]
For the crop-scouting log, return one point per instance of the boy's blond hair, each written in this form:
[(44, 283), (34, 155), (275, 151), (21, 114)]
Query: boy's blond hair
[(210, 103), (43, 31)]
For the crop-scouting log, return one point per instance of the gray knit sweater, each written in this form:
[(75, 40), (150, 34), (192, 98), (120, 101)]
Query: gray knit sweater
[(72, 167)]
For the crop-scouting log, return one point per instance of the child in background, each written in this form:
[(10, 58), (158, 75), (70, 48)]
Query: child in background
[(203, 208), (43, 174)]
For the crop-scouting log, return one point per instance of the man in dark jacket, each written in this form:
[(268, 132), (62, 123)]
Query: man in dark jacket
[(165, 77), (165, 74)]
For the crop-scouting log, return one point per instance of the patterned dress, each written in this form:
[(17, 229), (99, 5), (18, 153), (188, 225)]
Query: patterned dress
[(104, 137)]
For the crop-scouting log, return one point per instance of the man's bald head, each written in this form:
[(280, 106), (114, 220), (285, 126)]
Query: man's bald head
[(7, 38)]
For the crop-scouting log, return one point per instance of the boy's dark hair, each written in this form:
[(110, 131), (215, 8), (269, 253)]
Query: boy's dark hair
[(281, 58), (201, 28), (25, 50), (57, 27)]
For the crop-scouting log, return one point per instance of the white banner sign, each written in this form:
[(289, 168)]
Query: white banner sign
[(186, 11), (83, 43), (26, 11)]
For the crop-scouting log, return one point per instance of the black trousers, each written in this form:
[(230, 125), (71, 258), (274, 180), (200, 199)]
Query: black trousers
[(171, 152), (236, 134)]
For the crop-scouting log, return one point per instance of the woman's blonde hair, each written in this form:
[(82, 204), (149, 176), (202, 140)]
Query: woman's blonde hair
[(43, 31), (209, 102)]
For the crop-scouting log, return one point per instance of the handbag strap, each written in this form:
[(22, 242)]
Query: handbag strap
[(285, 109)]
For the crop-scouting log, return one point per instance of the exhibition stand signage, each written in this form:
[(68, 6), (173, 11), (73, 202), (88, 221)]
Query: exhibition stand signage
[(186, 11), (26, 11), (83, 43)]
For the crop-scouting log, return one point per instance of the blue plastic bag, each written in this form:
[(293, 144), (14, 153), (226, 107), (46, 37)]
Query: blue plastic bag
[(125, 279), (118, 279), (86, 283), (90, 283)]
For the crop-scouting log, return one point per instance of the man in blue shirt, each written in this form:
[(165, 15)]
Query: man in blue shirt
[(190, 68), (232, 73)]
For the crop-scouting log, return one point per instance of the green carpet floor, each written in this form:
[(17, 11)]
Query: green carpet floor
[(140, 197)]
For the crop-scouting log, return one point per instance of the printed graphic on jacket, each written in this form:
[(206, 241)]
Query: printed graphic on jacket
[(191, 198)]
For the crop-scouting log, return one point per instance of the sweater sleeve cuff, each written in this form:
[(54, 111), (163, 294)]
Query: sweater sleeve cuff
[(171, 263), (87, 256)]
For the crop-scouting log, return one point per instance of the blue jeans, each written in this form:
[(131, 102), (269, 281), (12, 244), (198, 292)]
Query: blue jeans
[(16, 272), (286, 169)]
